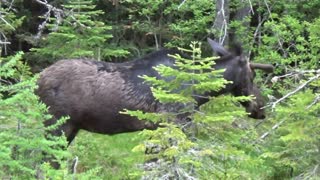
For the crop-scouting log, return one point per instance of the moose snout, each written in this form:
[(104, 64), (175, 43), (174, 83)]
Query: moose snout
[(255, 110), (257, 115)]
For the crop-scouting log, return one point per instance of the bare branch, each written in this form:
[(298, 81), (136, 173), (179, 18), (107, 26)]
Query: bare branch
[(5, 82), (5, 127), (268, 8), (221, 20), (6, 22), (315, 101), (5, 43), (11, 4), (58, 13), (8, 4), (251, 8), (256, 32), (309, 175), (294, 73), (199, 96), (75, 164), (181, 4), (273, 104), (154, 35), (276, 126), (224, 25)]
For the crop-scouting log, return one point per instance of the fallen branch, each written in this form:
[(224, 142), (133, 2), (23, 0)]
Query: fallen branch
[(273, 104), (315, 101), (276, 126)]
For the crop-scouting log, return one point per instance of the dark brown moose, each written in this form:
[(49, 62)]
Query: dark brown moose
[(92, 92)]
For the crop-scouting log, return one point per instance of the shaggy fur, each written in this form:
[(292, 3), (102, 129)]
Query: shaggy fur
[(93, 92)]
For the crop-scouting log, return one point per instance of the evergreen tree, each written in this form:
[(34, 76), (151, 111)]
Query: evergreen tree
[(77, 34), (182, 150), (25, 148), (218, 144), (22, 131)]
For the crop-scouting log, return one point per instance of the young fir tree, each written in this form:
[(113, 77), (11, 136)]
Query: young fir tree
[(21, 116), (25, 146), (207, 146), (78, 33)]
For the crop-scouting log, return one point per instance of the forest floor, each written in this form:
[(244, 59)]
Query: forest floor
[(113, 154)]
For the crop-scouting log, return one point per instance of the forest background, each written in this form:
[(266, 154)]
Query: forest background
[(285, 33)]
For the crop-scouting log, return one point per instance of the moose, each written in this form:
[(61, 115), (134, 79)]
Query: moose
[(92, 93)]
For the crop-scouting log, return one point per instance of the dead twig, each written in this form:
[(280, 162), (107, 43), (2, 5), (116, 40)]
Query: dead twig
[(58, 13), (276, 126), (273, 104), (74, 167), (181, 4), (315, 101)]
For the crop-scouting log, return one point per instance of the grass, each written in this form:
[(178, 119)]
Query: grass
[(113, 154)]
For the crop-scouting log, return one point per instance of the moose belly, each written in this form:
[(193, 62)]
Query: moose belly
[(113, 123)]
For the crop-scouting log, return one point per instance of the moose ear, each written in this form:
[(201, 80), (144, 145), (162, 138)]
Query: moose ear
[(217, 48)]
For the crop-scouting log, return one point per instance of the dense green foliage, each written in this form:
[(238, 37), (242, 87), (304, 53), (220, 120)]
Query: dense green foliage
[(24, 146), (179, 154), (112, 154), (76, 35), (220, 143)]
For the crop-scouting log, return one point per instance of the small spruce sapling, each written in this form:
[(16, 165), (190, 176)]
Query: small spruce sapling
[(24, 142), (178, 147)]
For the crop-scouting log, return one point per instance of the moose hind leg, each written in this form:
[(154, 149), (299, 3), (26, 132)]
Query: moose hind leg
[(71, 135), (69, 130)]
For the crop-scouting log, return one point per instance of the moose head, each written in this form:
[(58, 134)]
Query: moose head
[(241, 72)]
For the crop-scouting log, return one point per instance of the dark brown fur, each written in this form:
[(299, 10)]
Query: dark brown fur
[(92, 93), (91, 98)]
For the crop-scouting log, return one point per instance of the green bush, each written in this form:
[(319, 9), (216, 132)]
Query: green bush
[(25, 148)]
